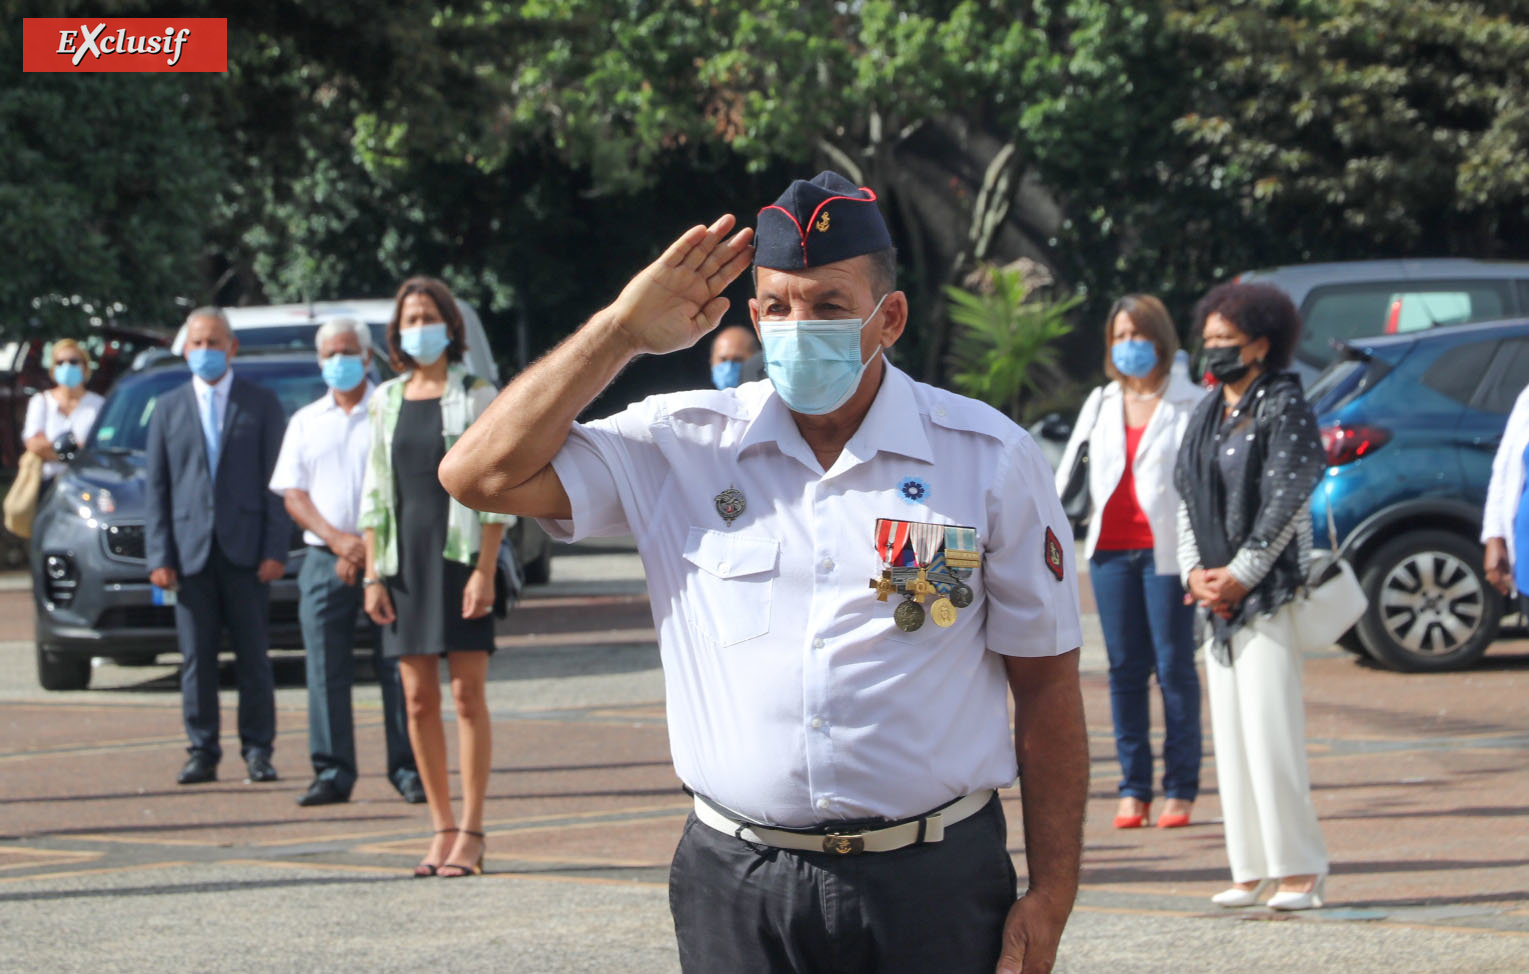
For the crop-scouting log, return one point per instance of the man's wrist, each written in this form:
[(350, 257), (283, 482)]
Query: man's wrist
[(611, 331)]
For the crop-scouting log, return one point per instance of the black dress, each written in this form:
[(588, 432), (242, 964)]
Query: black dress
[(427, 591)]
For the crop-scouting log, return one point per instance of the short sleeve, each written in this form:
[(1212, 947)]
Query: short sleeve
[(37, 416), (1029, 568), (291, 473), (611, 470)]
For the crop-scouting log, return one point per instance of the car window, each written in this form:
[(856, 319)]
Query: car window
[(1391, 307), (124, 419), (1458, 371), (1342, 382), (1501, 388)]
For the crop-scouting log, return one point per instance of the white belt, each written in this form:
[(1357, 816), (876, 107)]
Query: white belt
[(849, 840)]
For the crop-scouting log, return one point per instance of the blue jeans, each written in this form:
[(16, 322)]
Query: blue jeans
[(327, 610), (1148, 628)]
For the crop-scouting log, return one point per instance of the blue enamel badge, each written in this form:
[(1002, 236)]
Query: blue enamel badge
[(913, 490)]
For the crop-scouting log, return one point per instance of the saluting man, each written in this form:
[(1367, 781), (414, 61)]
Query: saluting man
[(849, 571)]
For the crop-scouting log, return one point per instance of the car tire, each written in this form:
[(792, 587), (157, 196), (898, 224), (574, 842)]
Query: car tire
[(58, 672), (1430, 606), (539, 570), (1350, 642)]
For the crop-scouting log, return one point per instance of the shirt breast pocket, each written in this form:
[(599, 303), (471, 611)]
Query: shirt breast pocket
[(731, 579)]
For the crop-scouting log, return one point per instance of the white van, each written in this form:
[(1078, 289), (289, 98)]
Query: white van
[(292, 326)]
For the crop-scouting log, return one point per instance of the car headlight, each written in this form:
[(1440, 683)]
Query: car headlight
[(96, 500)]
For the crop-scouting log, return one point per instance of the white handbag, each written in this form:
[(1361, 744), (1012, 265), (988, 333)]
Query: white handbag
[(1333, 599)]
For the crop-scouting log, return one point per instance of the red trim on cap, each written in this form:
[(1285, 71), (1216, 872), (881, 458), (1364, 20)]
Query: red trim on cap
[(870, 197)]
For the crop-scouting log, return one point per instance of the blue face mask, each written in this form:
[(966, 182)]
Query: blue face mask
[(425, 343), (1134, 357), (69, 374), (726, 375), (343, 373), (208, 364), (815, 366)]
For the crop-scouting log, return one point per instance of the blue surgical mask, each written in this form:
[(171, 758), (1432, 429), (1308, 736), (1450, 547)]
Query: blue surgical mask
[(425, 343), (815, 366), (1134, 357), (208, 364), (725, 375), (343, 373), (69, 374)]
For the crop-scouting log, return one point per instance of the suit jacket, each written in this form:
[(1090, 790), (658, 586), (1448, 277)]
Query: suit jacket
[(189, 506)]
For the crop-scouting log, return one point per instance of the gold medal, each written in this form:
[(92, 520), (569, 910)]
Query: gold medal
[(921, 587), (908, 615), (884, 585), (943, 613)]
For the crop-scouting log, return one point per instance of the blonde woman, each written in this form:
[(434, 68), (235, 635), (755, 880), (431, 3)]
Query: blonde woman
[(430, 561), (65, 408), (1133, 427)]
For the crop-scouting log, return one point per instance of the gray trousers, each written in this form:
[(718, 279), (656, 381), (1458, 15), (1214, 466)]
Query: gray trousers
[(327, 611), (748, 909)]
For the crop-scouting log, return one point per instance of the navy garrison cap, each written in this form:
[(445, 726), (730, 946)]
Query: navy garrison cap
[(819, 222)]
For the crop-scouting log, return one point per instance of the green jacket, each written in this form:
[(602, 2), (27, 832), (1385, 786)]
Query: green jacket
[(464, 399)]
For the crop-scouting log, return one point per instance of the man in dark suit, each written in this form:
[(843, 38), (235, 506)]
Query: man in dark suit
[(218, 538)]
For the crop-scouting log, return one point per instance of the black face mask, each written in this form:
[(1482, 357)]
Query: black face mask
[(1226, 363)]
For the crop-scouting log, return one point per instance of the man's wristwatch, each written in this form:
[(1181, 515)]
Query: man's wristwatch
[(368, 582)]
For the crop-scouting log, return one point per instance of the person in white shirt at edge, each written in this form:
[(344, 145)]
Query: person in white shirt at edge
[(65, 408), (808, 715), (1505, 518), (1133, 427), (318, 474)]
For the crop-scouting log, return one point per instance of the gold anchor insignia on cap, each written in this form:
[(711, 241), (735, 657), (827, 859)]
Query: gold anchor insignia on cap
[(822, 225), (730, 503)]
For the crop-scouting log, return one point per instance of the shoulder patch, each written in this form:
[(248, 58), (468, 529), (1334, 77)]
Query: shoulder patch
[(1053, 555)]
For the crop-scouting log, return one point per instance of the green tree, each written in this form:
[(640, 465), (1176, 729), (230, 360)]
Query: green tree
[(1007, 333)]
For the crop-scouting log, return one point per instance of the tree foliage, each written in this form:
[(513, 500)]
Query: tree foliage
[(1006, 334)]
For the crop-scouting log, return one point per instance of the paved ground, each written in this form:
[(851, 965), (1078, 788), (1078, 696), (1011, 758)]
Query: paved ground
[(105, 864)]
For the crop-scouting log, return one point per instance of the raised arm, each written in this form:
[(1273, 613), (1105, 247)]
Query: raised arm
[(503, 461)]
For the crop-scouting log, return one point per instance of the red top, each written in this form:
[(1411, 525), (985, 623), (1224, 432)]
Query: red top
[(1122, 525)]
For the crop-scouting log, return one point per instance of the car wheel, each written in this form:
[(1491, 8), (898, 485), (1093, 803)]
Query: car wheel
[(1430, 605), (57, 672), (539, 570)]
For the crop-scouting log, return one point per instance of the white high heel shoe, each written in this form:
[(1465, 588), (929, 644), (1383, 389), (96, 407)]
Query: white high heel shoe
[(1237, 897), (1299, 901)]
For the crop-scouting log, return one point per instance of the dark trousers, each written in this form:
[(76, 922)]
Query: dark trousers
[(327, 611), (224, 596), (1148, 629), (755, 910)]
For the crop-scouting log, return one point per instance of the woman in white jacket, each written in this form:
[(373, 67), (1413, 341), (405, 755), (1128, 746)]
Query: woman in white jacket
[(1505, 520), (1133, 427)]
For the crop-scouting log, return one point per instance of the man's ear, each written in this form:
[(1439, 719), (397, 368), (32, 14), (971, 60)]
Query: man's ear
[(893, 318), (754, 314)]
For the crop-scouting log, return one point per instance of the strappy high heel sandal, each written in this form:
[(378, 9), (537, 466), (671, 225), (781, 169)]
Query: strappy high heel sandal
[(427, 869), (476, 869)]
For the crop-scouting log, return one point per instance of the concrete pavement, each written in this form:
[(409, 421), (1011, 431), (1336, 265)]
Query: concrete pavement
[(106, 864)]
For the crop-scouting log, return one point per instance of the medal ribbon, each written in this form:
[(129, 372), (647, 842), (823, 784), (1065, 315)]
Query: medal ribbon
[(891, 538), (927, 539)]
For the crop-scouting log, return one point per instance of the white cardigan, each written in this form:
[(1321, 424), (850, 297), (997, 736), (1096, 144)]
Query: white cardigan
[(1101, 422), (1507, 484)]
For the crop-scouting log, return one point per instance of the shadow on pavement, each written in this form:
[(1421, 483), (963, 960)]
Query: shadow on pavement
[(219, 887)]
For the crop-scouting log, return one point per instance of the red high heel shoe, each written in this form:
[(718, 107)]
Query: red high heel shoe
[(1133, 821), (1173, 820)]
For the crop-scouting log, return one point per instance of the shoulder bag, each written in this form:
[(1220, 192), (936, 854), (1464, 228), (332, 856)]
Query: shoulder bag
[(1075, 499)]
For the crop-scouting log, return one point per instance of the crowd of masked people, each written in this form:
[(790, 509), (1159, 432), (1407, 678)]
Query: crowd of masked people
[(356, 471)]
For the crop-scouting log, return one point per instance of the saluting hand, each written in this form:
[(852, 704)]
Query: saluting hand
[(676, 299)]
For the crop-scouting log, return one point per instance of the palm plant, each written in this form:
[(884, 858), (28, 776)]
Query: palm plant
[(1005, 332)]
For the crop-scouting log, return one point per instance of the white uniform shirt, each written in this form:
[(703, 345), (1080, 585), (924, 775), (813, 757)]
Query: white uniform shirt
[(1506, 487), (1102, 423), (792, 697), (45, 416), (324, 453)]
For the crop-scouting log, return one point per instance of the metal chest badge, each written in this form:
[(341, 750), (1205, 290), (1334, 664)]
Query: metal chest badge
[(730, 503)]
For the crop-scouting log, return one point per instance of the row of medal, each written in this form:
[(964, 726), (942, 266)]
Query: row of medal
[(943, 558)]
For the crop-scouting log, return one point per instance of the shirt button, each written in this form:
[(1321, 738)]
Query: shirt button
[(817, 722), (822, 803), (721, 568), (828, 564), (818, 643)]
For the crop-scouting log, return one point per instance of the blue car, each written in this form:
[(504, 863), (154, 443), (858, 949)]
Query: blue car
[(1411, 423)]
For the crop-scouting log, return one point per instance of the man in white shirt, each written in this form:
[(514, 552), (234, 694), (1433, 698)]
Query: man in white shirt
[(318, 474), (797, 535)]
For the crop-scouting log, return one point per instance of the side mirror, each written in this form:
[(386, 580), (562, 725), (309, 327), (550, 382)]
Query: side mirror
[(66, 447), (1054, 427)]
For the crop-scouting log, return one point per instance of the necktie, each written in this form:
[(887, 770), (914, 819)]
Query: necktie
[(211, 429)]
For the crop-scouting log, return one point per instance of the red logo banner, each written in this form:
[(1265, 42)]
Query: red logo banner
[(180, 44)]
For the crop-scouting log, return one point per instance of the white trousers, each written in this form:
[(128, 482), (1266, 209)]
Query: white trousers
[(1258, 723)]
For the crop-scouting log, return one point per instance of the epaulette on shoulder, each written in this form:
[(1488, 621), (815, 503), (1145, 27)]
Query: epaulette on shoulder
[(957, 412)]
